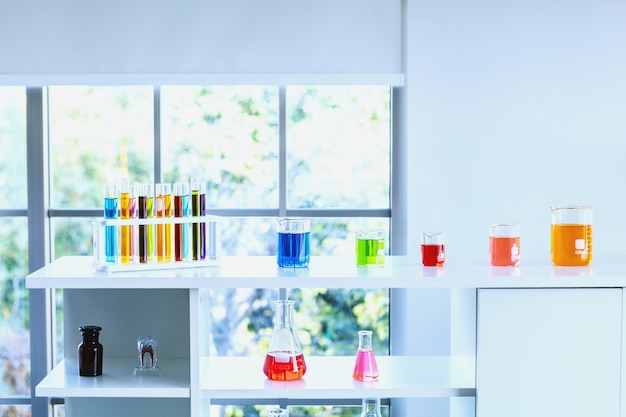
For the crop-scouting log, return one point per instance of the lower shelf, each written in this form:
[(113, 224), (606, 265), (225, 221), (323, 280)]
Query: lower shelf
[(331, 377), (117, 381)]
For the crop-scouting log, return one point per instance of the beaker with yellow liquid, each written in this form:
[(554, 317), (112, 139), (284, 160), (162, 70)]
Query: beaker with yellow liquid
[(571, 241)]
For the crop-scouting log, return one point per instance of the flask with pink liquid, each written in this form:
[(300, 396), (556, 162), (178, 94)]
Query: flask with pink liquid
[(365, 368)]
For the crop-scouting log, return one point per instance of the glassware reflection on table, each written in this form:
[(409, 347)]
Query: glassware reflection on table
[(293, 248), (571, 235), (284, 360), (504, 244), (433, 249), (370, 247), (365, 367)]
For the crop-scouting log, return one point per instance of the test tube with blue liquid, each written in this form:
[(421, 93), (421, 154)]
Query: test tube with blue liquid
[(111, 195), (294, 242)]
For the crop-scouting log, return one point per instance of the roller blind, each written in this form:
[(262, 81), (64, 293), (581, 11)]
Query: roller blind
[(200, 41)]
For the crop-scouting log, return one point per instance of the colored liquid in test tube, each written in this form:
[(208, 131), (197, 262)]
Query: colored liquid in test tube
[(181, 209), (198, 208), (134, 194), (164, 231), (145, 210), (111, 195), (126, 233)]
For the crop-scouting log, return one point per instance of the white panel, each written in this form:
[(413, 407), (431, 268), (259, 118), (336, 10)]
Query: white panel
[(126, 314), (107, 407), (191, 37), (548, 352)]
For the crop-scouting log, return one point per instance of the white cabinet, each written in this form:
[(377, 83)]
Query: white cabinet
[(549, 352), (169, 303)]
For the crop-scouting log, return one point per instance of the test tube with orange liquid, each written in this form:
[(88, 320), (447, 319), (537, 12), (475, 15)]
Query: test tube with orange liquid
[(164, 231), (126, 231), (571, 230), (504, 244)]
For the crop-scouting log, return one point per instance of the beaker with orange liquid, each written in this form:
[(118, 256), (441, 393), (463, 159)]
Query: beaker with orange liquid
[(504, 244), (571, 229)]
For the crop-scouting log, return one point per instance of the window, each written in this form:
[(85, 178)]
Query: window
[(14, 305), (264, 151)]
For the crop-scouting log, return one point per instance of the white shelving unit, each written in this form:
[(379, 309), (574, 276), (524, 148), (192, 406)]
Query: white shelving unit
[(166, 303)]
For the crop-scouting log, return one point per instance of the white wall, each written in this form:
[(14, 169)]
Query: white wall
[(512, 107)]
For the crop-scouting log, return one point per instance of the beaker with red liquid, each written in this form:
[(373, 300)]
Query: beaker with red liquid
[(504, 244), (365, 367), (433, 250), (284, 360)]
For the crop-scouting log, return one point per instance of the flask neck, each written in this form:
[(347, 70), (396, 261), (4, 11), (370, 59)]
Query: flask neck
[(284, 313), (365, 340), (371, 407)]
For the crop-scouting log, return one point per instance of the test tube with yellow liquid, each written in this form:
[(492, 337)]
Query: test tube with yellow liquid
[(126, 231), (164, 231)]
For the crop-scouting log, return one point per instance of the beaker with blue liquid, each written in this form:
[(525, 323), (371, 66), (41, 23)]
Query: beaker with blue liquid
[(294, 242)]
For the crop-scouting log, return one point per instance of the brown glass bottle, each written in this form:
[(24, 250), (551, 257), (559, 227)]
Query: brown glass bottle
[(90, 352)]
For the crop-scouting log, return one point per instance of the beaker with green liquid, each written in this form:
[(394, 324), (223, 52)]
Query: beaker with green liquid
[(370, 247)]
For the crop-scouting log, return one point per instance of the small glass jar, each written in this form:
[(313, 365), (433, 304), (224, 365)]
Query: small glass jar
[(90, 352)]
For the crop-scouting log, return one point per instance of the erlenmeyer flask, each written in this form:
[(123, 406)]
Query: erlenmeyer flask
[(365, 368), (284, 360), (371, 407)]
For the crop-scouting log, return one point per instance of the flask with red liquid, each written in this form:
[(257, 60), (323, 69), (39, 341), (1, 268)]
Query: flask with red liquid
[(284, 360), (365, 368)]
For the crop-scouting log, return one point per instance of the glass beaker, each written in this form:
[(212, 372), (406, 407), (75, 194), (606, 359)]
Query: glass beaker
[(370, 247), (371, 407), (365, 368), (433, 251), (504, 244), (571, 231), (294, 242), (284, 360)]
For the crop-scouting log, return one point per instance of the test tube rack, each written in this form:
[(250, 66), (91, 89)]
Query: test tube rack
[(101, 264)]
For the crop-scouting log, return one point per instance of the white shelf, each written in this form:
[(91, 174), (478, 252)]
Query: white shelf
[(332, 272), (117, 381), (331, 377)]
